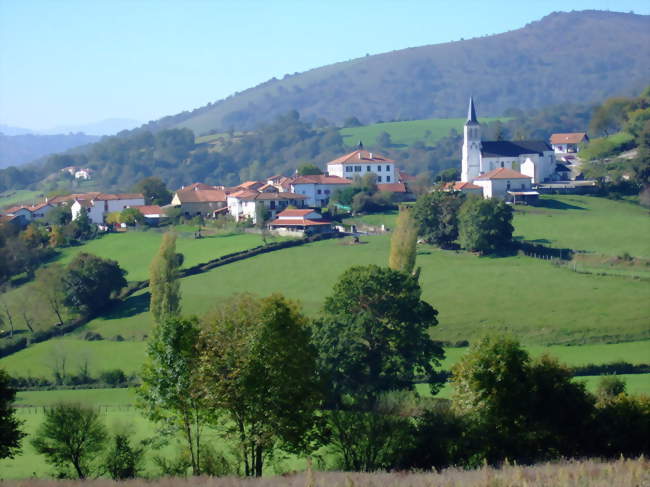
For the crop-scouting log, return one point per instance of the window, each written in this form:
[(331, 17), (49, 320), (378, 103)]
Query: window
[(388, 179), (378, 168), (387, 168), (508, 186), (327, 191), (368, 168), (319, 191), (348, 168), (379, 179), (357, 168), (501, 163), (273, 205)]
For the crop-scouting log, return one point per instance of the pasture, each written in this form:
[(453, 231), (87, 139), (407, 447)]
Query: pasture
[(406, 133), (586, 223), (19, 196)]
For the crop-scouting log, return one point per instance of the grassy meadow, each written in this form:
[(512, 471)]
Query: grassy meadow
[(406, 133), (19, 196)]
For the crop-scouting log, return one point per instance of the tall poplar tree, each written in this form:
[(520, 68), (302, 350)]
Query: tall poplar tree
[(403, 243), (163, 281)]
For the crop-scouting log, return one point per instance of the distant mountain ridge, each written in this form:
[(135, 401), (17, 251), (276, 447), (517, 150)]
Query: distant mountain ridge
[(576, 57), (16, 150)]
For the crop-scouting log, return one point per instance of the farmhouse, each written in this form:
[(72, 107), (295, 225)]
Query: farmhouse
[(101, 205), (467, 188), (534, 158), (243, 204), (151, 213), (317, 188), (200, 199), (300, 222), (361, 162), (499, 182), (568, 143)]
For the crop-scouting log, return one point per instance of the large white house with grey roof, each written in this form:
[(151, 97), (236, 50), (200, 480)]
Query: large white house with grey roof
[(533, 158)]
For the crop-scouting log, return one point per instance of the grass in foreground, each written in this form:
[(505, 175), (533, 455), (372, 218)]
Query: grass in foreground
[(583, 473)]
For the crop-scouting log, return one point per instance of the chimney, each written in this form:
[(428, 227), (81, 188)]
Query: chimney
[(370, 155), (359, 154)]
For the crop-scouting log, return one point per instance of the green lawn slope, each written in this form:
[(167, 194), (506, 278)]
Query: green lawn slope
[(406, 133)]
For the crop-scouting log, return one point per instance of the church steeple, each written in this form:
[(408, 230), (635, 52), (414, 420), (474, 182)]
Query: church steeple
[(471, 113)]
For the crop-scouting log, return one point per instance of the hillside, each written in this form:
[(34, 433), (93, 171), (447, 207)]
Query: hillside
[(21, 149), (601, 53)]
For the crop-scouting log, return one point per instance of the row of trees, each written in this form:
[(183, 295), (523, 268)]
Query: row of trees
[(482, 225)]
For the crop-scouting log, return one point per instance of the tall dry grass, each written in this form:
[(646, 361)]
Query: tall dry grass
[(586, 473)]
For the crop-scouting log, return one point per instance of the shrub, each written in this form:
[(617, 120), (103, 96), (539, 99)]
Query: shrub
[(113, 377)]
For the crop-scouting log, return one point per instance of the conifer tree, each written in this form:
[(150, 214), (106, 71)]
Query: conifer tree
[(403, 243), (163, 281)]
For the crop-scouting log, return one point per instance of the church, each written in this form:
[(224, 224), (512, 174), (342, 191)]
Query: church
[(532, 160)]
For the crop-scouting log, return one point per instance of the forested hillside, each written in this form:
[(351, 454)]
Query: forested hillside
[(575, 57)]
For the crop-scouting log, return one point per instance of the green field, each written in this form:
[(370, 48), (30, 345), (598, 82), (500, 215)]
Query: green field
[(135, 250), (406, 133), (14, 197), (586, 223), (91, 397)]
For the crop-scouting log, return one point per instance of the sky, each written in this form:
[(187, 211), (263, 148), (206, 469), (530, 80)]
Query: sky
[(68, 62)]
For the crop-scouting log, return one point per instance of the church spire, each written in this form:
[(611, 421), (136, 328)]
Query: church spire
[(471, 113)]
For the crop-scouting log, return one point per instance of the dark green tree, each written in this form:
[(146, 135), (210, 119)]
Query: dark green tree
[(258, 370), (384, 140), (436, 214), (71, 435), (485, 225), (309, 169), (123, 460), (10, 433), (373, 335), (154, 190), (89, 282)]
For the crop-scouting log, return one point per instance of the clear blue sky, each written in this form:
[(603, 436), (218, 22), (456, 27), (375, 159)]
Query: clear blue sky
[(78, 61)]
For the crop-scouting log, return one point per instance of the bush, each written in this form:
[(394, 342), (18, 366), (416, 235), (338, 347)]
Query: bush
[(123, 460), (113, 377), (92, 336)]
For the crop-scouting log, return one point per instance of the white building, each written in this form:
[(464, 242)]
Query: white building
[(499, 182), (361, 162), (480, 157), (243, 204), (568, 143), (101, 205), (317, 188)]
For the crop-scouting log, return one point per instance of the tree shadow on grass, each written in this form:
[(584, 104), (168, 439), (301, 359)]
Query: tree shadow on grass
[(556, 205), (131, 306)]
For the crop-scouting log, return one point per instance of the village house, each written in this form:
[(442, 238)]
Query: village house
[(101, 205), (499, 182), (29, 213), (361, 162), (568, 143), (151, 213), (467, 188), (243, 204), (317, 188), (200, 199), (299, 222)]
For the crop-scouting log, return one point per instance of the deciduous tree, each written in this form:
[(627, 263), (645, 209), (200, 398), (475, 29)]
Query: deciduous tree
[(48, 286), (71, 435), (258, 369), (403, 242), (436, 214), (11, 434), (485, 225)]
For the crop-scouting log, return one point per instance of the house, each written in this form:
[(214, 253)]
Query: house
[(252, 184), (200, 199), (300, 222), (243, 204), (83, 173), (467, 188), (317, 188), (101, 205), (498, 182), (534, 158), (151, 213), (361, 162), (41, 210), (23, 212), (568, 143)]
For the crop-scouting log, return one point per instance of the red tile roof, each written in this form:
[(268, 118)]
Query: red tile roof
[(569, 138), (149, 209), (252, 184), (295, 212), (202, 195), (74, 196), (459, 186), (280, 222), (320, 179), (360, 156), (14, 209), (120, 196), (393, 187), (502, 173), (247, 195), (404, 177)]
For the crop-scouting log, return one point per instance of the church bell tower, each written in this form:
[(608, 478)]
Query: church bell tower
[(471, 161)]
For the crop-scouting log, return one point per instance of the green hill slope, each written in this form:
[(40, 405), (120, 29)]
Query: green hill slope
[(605, 53)]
